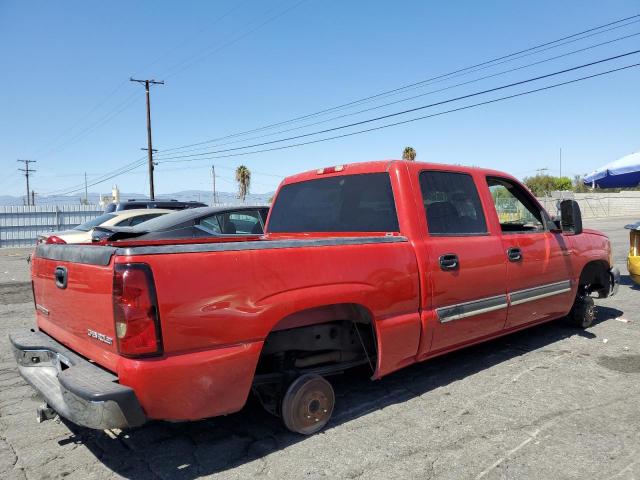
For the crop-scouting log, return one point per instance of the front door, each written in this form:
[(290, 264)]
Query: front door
[(467, 265), (539, 263)]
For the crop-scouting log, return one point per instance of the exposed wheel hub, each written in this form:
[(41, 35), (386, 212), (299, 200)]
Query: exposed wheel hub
[(308, 404)]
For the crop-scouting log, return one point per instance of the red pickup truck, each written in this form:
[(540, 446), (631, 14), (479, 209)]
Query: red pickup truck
[(383, 264)]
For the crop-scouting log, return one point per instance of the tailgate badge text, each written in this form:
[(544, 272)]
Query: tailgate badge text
[(99, 336)]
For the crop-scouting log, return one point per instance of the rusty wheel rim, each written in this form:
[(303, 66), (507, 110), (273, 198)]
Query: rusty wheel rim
[(309, 404)]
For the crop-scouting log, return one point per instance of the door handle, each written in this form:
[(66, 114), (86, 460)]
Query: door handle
[(60, 275), (449, 261), (514, 254)]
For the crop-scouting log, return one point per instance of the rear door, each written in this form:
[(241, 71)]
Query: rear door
[(467, 265), (539, 262)]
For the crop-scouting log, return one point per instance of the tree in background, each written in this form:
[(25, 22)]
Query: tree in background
[(543, 185), (409, 154), (243, 177), (579, 186)]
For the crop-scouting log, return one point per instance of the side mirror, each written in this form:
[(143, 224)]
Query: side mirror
[(570, 217)]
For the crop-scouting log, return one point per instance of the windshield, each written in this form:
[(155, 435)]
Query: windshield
[(348, 203), (86, 226)]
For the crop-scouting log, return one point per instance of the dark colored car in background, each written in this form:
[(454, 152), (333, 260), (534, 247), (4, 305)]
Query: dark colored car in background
[(133, 203), (192, 223)]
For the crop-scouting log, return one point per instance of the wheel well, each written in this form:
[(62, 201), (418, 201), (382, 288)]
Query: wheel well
[(330, 336), (595, 278), (324, 340)]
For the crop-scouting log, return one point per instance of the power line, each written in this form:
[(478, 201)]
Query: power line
[(466, 107), (431, 79), (103, 120), (377, 107), (128, 102), (101, 178), (82, 118), (403, 112), (133, 165), (198, 58), (184, 42)]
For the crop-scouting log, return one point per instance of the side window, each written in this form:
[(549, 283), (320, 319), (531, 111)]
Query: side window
[(245, 222), (517, 212), (143, 218), (211, 224), (124, 223), (452, 204)]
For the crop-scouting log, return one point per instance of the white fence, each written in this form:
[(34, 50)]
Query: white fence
[(595, 205), (20, 226)]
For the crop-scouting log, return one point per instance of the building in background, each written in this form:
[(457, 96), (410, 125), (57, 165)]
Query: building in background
[(113, 198)]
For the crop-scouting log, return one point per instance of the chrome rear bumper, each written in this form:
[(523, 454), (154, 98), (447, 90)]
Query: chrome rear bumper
[(75, 388)]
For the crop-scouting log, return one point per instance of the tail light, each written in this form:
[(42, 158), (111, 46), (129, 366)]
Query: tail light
[(135, 310), (54, 240)]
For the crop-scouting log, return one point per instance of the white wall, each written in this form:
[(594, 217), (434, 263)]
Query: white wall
[(594, 205)]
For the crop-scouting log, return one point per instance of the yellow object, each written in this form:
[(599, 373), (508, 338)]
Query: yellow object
[(633, 260)]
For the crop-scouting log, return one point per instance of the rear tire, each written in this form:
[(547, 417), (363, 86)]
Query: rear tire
[(308, 404), (583, 312)]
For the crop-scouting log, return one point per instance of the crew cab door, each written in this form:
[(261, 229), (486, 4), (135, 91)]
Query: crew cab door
[(466, 274), (539, 262)]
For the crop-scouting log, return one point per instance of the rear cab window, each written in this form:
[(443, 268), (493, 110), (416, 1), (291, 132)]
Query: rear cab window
[(452, 204), (346, 203)]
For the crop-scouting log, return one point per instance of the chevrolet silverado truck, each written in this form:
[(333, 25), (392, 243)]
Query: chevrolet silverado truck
[(378, 264)]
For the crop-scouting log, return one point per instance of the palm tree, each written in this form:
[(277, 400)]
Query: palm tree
[(409, 154), (243, 177)]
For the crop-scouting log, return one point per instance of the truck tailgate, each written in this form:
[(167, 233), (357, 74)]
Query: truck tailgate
[(72, 286)]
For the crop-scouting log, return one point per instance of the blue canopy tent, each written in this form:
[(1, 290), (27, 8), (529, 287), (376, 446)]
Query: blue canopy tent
[(623, 173)]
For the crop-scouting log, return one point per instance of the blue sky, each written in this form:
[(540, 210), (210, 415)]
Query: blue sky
[(67, 102)]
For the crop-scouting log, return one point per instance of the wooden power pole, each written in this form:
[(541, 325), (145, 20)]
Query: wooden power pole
[(147, 83), (27, 171)]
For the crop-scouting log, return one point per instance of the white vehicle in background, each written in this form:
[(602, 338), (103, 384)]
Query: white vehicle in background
[(82, 233)]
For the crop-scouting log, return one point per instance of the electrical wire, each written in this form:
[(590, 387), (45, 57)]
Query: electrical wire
[(467, 107), (380, 127), (113, 113), (425, 81), (403, 112), (133, 165), (198, 58), (413, 97)]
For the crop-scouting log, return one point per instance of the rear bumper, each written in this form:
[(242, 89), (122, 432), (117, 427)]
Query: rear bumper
[(614, 275), (75, 388)]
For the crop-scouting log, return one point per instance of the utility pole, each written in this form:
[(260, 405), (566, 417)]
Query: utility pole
[(86, 194), (27, 171), (33, 197), (560, 162), (149, 143), (215, 195)]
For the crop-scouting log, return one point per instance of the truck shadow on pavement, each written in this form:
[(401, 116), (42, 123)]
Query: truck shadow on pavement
[(190, 450)]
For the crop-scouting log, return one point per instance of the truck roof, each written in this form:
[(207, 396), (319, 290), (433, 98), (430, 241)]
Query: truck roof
[(377, 166)]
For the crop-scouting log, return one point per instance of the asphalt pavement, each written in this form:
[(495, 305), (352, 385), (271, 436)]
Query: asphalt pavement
[(550, 402)]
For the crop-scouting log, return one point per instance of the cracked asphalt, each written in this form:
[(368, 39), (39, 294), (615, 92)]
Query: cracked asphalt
[(549, 403)]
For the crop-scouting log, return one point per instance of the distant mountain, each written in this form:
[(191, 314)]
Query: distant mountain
[(185, 195)]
